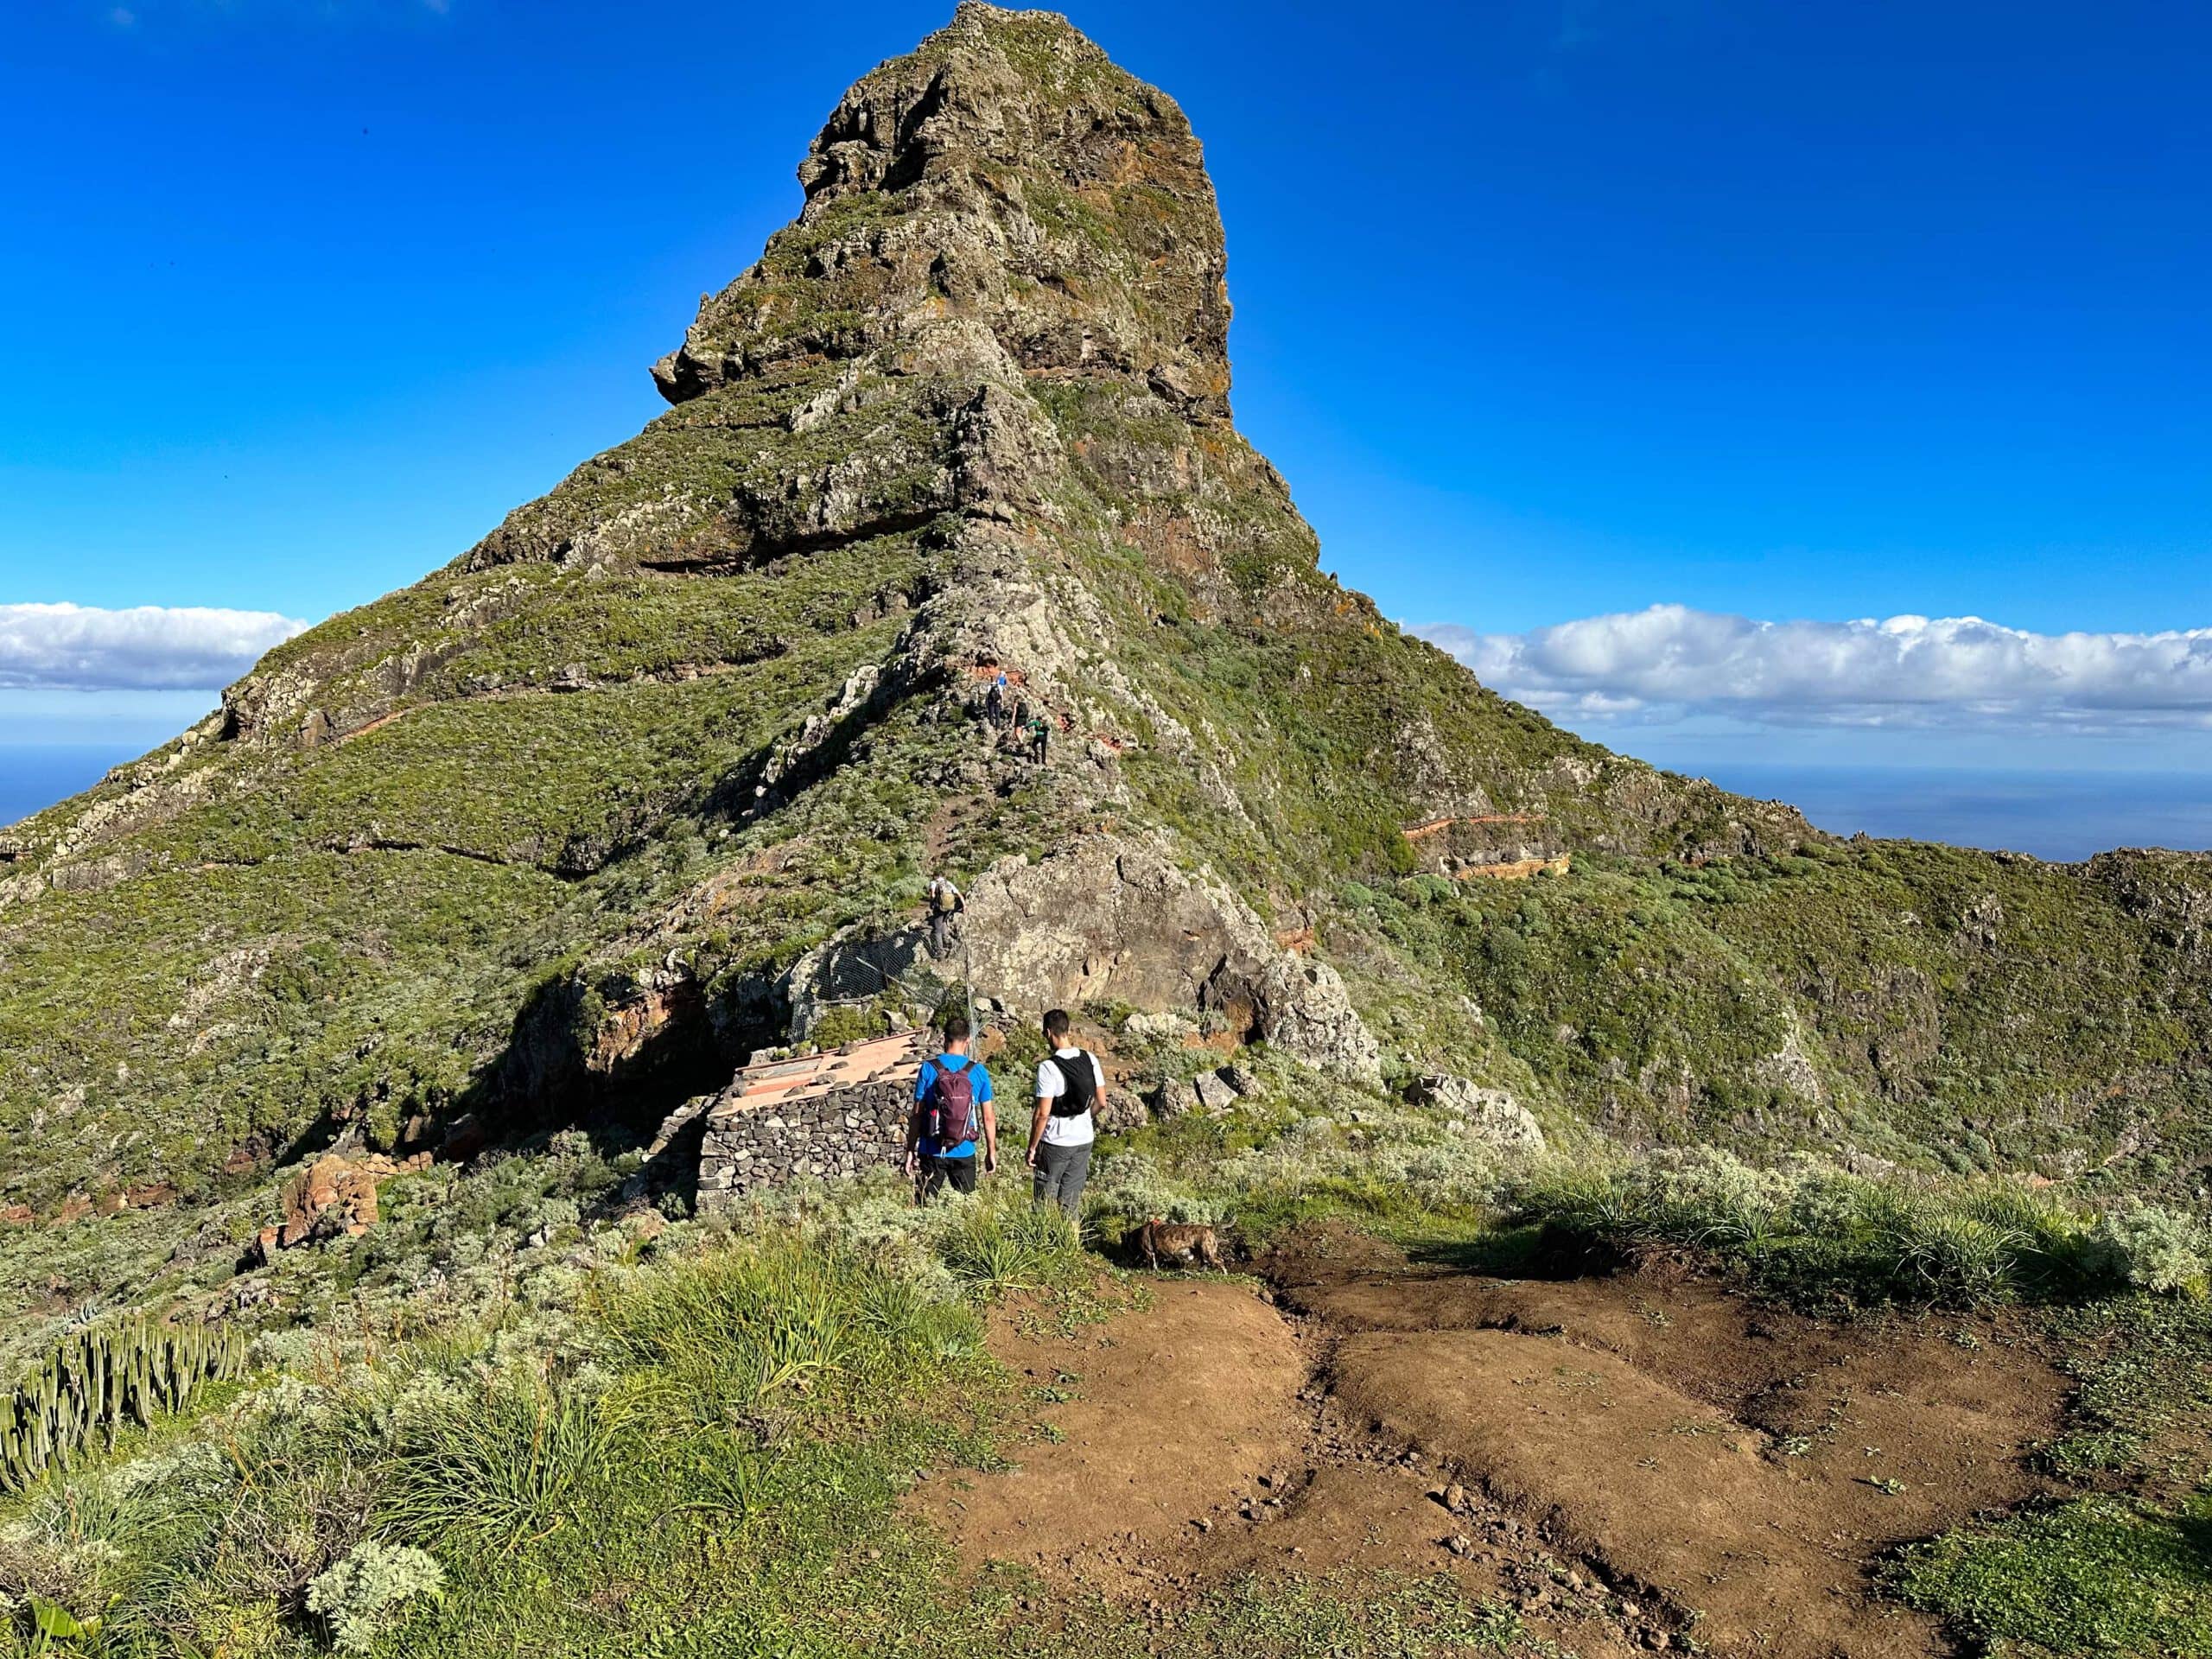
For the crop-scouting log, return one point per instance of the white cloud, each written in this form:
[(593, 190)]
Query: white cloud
[(149, 647), (1670, 662)]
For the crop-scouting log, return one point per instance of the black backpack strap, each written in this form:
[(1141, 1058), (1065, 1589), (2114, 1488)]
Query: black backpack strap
[(1090, 1092)]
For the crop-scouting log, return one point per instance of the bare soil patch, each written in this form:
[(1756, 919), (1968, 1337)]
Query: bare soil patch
[(1634, 1461), (1171, 1408)]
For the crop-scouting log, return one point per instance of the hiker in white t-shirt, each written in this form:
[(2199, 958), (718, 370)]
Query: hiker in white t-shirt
[(1070, 1086)]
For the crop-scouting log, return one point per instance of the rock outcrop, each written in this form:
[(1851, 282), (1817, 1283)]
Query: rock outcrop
[(651, 776), (1491, 1115), (1107, 920), (334, 1196), (1005, 180)]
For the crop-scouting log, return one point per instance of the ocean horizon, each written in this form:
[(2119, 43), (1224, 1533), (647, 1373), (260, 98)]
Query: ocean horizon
[(2059, 815)]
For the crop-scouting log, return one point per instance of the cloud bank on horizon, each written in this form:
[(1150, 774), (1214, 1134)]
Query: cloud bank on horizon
[(145, 648), (1671, 662)]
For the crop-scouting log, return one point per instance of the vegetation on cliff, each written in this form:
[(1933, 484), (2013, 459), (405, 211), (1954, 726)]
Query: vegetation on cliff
[(507, 864), (540, 837)]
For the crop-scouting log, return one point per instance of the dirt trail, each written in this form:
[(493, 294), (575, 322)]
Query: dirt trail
[(1625, 1460), (1171, 1408)]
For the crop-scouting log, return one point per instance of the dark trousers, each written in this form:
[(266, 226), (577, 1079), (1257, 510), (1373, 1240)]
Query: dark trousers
[(1060, 1174), (958, 1174), (940, 933)]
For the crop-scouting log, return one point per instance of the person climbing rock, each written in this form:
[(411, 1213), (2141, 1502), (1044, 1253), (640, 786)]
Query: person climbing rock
[(952, 1102), (945, 901), (1071, 1087), (1040, 736)]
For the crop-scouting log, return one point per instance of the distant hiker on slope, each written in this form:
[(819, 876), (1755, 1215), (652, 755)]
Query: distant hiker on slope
[(952, 1099), (995, 702), (1040, 735), (946, 902), (1070, 1086)]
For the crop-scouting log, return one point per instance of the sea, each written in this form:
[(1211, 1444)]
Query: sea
[(37, 775), (2055, 815)]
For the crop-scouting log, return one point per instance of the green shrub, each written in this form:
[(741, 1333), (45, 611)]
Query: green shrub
[(95, 1381), (95, 1536), (1806, 1226), (2151, 1249), (783, 1325), (357, 1597), (853, 1022), (1948, 1254), (1131, 1188)]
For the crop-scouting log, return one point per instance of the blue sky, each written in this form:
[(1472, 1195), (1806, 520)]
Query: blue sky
[(1550, 312)]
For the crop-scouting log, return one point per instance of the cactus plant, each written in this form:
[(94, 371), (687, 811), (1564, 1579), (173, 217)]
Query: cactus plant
[(96, 1378)]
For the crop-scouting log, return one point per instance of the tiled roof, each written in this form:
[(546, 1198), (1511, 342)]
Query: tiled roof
[(781, 1082)]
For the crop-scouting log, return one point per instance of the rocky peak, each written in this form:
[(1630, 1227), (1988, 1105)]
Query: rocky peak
[(647, 779), (1005, 173)]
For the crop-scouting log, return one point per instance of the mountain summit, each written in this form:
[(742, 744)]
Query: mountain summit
[(654, 775), (1006, 197)]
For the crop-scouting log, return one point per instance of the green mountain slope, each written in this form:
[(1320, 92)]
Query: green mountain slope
[(562, 829)]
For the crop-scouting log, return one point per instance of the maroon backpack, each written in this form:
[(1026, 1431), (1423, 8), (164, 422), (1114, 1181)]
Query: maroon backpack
[(952, 1107)]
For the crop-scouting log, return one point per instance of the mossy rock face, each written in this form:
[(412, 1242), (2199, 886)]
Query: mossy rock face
[(547, 833)]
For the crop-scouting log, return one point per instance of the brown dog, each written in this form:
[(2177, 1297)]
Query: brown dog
[(1184, 1245)]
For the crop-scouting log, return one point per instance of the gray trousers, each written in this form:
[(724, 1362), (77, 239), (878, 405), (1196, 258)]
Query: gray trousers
[(1060, 1173)]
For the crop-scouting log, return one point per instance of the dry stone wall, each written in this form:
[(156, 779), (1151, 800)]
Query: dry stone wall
[(830, 1137), (820, 1117)]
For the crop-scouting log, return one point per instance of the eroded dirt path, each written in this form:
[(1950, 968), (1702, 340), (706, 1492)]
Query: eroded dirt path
[(1171, 1409), (1626, 1460)]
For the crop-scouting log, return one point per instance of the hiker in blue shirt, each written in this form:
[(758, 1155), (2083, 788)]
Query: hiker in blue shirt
[(952, 1098)]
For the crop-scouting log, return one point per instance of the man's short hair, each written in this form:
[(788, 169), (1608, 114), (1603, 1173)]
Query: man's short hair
[(956, 1029), (1055, 1023)]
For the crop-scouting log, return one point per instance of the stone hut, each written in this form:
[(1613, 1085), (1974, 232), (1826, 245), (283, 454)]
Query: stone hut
[(821, 1117)]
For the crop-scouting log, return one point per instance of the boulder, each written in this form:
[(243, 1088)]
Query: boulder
[(335, 1195), (1107, 918), (1216, 1094), (1110, 919), (1121, 1110)]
